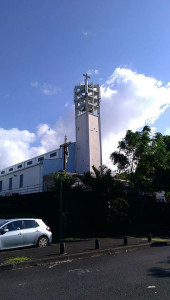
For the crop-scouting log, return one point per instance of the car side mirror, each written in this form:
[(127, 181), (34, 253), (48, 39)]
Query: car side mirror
[(4, 230)]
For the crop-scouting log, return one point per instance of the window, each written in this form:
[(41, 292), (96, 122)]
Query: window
[(16, 225), (41, 158), (19, 166), (10, 183), (2, 172), (53, 154), (30, 224), (29, 163), (1, 186), (11, 169), (21, 180)]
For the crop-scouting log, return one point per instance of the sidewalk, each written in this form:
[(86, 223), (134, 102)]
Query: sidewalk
[(73, 249)]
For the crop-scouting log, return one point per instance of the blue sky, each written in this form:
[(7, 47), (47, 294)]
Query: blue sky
[(45, 48)]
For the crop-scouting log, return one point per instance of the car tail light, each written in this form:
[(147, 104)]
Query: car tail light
[(48, 228)]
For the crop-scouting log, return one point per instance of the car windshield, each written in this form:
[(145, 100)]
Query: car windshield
[(2, 222)]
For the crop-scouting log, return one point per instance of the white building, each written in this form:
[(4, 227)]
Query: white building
[(29, 176)]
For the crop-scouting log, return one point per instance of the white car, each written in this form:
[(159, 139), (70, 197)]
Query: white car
[(16, 233)]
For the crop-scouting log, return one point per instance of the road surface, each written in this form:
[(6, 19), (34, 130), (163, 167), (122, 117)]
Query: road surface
[(141, 274)]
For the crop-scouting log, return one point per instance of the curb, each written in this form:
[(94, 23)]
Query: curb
[(65, 257)]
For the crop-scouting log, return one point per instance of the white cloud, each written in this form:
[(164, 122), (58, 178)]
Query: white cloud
[(86, 33), (49, 90), (66, 105), (129, 101), (153, 130), (92, 71), (167, 132), (42, 129), (16, 146), (52, 138), (34, 84), (46, 89)]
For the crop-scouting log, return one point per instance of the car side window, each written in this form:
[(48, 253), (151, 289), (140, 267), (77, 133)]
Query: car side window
[(30, 224), (9, 226), (15, 225)]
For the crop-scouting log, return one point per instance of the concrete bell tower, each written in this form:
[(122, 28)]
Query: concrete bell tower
[(88, 130)]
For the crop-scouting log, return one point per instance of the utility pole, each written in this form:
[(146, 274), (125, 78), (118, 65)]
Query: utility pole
[(65, 155), (61, 209)]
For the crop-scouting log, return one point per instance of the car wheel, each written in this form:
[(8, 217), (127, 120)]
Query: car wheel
[(43, 241)]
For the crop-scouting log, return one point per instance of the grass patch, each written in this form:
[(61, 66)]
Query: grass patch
[(15, 260), (155, 239)]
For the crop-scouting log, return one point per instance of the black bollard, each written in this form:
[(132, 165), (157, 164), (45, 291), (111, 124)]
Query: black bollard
[(125, 240), (97, 244), (62, 248), (149, 238)]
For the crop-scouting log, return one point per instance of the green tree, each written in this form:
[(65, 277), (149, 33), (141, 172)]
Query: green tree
[(109, 197), (66, 179), (147, 160), (131, 148), (100, 181)]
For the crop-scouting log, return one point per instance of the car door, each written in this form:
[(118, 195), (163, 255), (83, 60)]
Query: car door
[(13, 238), (30, 232)]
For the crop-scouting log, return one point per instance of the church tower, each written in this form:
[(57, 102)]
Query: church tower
[(88, 131)]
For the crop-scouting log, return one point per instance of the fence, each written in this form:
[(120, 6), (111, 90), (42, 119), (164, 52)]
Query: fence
[(37, 188)]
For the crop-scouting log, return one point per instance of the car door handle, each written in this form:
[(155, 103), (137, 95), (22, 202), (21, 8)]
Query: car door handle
[(19, 233)]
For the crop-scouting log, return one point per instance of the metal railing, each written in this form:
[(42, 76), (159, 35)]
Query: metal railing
[(37, 188)]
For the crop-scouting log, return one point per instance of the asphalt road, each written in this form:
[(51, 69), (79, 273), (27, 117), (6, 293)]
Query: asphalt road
[(142, 274)]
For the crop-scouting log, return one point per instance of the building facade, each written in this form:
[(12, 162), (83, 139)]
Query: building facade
[(77, 157), (28, 176)]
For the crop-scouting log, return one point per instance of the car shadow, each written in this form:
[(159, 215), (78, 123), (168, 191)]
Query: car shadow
[(159, 272), (159, 244)]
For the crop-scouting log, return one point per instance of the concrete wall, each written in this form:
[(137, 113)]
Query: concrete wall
[(52, 166), (88, 147), (32, 181), (82, 144), (94, 142)]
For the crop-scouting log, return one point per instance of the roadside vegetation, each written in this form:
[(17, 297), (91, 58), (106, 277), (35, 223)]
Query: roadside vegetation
[(102, 204), (143, 159), (127, 199), (15, 260)]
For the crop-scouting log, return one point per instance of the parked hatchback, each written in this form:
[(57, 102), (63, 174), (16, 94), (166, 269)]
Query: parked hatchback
[(15, 233)]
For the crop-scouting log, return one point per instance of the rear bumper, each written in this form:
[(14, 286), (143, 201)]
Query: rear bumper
[(50, 238)]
